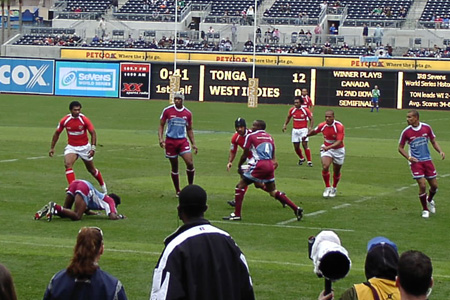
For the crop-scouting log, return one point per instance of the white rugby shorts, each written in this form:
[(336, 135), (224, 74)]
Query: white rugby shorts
[(81, 151), (338, 155), (298, 134)]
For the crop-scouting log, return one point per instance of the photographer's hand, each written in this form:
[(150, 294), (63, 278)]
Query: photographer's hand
[(330, 296)]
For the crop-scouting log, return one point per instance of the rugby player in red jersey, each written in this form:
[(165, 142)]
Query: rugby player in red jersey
[(179, 124), (331, 151), (300, 115), (261, 171), (77, 126), (307, 102)]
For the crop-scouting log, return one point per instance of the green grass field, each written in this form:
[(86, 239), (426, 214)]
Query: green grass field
[(376, 195)]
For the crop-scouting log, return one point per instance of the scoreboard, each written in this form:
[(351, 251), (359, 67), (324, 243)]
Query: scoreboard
[(426, 90), (353, 88)]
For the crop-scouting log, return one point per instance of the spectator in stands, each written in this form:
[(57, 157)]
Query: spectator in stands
[(323, 5), (402, 12), (210, 32), (266, 13), (286, 8), (318, 34), (337, 3), (102, 27), (243, 20), (228, 45), (115, 5), (299, 20), (414, 276), (129, 40), (308, 35), (387, 11), (249, 43), (258, 35), (327, 48), (378, 35), (389, 51), (276, 35), (7, 290), (446, 22), (268, 36), (345, 46), (301, 32), (181, 4), (77, 9), (365, 33), (152, 44), (250, 15), (146, 5), (377, 11), (333, 29), (438, 22)]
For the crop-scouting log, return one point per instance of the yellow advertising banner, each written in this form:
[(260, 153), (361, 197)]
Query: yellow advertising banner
[(433, 65), (300, 61), (356, 63), (166, 56), (102, 54)]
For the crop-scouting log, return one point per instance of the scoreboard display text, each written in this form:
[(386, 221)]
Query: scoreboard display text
[(353, 88), (426, 90)]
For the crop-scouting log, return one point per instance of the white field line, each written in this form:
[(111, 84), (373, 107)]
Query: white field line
[(279, 226), (363, 199)]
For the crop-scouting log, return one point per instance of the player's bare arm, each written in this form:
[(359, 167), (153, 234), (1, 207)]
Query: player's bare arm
[(93, 142), (190, 134), (288, 119), (401, 149), (337, 143), (437, 148), (231, 159), (54, 141), (162, 144), (311, 123)]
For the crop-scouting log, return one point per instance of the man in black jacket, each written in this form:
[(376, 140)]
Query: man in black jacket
[(200, 261)]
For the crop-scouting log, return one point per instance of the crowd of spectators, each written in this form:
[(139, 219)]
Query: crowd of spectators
[(434, 52), (68, 40)]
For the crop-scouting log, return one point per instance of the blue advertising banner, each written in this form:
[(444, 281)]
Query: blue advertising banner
[(26, 76), (87, 79)]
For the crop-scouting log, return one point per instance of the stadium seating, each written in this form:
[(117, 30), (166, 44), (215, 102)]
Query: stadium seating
[(433, 9), (356, 10), (50, 37), (294, 49), (76, 9)]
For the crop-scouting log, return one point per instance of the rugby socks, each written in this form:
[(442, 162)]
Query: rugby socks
[(284, 199), (238, 198), (58, 208), (308, 154), (431, 195), (190, 176), (423, 201), (336, 179), (299, 153), (326, 178), (176, 181), (99, 177), (70, 175)]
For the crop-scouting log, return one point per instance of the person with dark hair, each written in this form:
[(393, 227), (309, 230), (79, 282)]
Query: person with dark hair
[(83, 279), (301, 117), (260, 172), (415, 275), (179, 124), (7, 290), (77, 125), (200, 261), (417, 135), (332, 151), (86, 198), (380, 269)]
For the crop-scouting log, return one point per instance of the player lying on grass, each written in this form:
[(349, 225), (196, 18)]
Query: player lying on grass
[(86, 198)]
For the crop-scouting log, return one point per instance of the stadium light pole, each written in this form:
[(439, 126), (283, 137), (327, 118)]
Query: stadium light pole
[(176, 38), (254, 38)]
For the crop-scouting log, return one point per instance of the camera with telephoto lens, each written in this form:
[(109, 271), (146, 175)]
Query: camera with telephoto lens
[(330, 259)]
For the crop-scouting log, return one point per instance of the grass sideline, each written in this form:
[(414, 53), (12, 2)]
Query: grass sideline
[(376, 195)]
